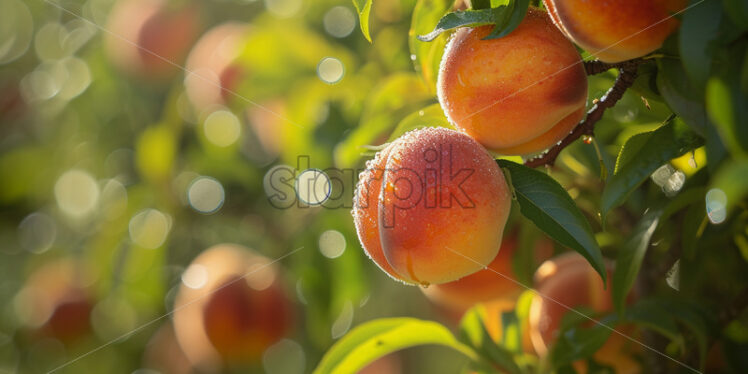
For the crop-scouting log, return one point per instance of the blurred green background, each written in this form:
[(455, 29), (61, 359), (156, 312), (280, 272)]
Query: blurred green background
[(108, 160)]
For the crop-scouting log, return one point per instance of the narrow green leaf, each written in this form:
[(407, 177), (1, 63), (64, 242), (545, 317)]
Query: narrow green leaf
[(473, 332), (508, 18), (380, 337), (642, 155), (630, 257), (363, 7), (461, 18), (430, 116), (680, 94), (549, 206), (426, 56)]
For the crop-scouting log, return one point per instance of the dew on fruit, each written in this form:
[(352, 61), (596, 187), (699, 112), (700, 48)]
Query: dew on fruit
[(716, 205)]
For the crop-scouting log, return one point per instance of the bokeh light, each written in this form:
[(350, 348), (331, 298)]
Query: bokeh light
[(339, 21), (330, 70), (716, 205), (149, 228), (343, 323), (284, 8), (332, 244), (205, 195), (195, 277), (313, 187), (37, 232), (77, 193), (16, 29), (222, 128)]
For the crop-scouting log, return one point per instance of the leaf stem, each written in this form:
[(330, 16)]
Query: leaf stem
[(627, 72)]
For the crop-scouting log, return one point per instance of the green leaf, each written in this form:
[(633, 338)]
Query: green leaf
[(578, 343), (680, 94), (430, 116), (653, 315), (474, 333), (737, 11), (363, 7), (380, 337), (460, 18), (427, 56), (699, 28), (630, 257), (725, 104), (641, 155), (508, 18), (549, 206)]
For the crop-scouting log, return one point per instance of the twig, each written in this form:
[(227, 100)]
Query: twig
[(627, 71)]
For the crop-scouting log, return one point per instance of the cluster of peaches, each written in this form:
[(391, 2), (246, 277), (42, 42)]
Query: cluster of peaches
[(431, 207), (230, 307)]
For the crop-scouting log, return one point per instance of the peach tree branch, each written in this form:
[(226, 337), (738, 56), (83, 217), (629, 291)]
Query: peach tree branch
[(627, 72)]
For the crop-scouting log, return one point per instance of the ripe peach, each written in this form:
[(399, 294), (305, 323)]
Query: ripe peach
[(150, 39), (497, 284), (230, 307), (570, 280), (211, 65), (616, 30), (436, 211), (516, 95), (58, 301)]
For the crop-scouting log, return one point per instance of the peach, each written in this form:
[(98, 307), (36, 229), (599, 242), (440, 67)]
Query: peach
[(149, 38), (211, 67), (616, 30), (437, 209), (59, 301), (570, 280), (230, 307), (516, 95), (497, 284)]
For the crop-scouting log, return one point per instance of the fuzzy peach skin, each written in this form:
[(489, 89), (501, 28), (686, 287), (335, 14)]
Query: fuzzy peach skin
[(443, 206), (516, 95), (230, 309), (366, 210), (616, 30), (570, 280)]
